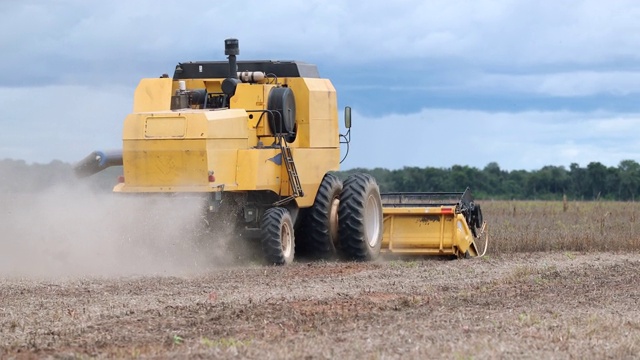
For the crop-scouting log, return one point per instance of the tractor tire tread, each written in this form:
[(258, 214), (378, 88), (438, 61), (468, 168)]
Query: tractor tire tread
[(351, 220), (271, 240), (319, 244)]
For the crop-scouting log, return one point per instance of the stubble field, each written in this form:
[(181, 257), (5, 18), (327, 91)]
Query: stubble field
[(83, 276)]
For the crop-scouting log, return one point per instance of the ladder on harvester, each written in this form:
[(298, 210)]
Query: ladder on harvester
[(294, 179)]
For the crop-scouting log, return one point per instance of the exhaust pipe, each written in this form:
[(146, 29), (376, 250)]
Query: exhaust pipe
[(231, 49)]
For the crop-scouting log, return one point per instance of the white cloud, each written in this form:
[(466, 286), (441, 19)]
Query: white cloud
[(478, 33), (519, 140), (621, 125), (562, 84)]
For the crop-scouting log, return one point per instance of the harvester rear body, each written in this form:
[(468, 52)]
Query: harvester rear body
[(205, 147)]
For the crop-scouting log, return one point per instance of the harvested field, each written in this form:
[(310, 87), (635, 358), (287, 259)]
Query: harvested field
[(574, 294), (547, 305)]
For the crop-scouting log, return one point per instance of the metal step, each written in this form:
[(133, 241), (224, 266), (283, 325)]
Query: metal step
[(294, 179)]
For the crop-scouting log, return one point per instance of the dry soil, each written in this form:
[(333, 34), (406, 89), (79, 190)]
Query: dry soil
[(544, 305)]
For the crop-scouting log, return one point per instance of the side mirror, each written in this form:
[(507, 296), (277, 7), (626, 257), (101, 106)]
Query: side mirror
[(347, 117), (346, 138)]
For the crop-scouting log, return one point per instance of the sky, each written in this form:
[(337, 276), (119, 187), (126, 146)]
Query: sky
[(524, 84)]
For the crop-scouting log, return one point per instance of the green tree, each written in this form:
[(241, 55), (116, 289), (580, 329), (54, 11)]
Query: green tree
[(629, 172), (597, 179)]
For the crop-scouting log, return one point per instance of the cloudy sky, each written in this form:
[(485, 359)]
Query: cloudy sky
[(432, 83)]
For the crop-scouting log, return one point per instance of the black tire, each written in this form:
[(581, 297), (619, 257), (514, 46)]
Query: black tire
[(320, 226), (278, 242), (360, 218)]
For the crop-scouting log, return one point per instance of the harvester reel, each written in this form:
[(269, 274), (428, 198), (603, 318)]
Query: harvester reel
[(360, 218), (282, 113), (321, 221), (277, 236)]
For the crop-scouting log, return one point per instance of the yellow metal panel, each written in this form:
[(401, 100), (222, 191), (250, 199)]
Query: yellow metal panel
[(214, 144), (324, 133), (301, 93), (425, 230), (220, 124), (316, 112), (257, 170), (227, 124), (213, 86), (163, 189), (419, 210), (246, 171), (133, 127), (463, 237), (263, 169), (323, 130), (190, 84), (165, 124), (254, 97), (302, 139), (223, 160), (311, 165), (422, 251), (165, 127), (418, 231), (323, 109), (400, 210), (165, 163), (153, 95), (249, 97), (227, 133)]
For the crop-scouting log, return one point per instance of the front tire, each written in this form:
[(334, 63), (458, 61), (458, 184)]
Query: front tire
[(360, 218), (277, 236)]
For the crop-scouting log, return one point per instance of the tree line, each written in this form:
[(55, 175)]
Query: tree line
[(593, 182)]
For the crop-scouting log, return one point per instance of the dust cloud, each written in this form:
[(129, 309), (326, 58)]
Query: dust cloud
[(74, 231)]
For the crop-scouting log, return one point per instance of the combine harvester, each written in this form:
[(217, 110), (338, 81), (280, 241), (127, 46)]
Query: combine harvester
[(259, 139)]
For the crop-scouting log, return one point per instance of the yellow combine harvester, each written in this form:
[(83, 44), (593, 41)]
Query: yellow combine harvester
[(260, 139)]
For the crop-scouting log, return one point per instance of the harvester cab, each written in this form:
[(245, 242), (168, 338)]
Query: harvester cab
[(259, 140)]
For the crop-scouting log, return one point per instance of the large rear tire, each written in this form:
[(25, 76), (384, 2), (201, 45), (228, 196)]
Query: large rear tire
[(321, 222), (360, 218), (277, 236)]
